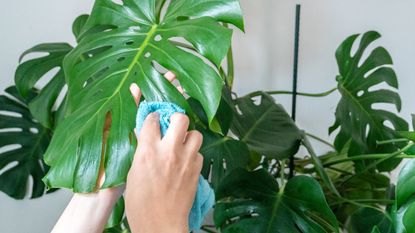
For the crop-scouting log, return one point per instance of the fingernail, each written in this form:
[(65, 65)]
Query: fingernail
[(134, 88), (154, 115)]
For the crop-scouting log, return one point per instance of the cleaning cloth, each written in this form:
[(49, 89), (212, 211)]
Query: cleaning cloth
[(205, 196)]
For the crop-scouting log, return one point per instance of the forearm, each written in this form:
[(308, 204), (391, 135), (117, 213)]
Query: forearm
[(86, 213)]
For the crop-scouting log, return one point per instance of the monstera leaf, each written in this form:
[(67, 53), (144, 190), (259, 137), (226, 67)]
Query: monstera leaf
[(404, 208), (252, 202), (266, 127), (29, 73), (221, 156), (356, 116), (23, 142), (125, 42)]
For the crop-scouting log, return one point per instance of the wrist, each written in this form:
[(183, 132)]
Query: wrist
[(95, 200)]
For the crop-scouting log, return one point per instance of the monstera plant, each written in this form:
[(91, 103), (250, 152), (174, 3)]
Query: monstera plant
[(52, 131)]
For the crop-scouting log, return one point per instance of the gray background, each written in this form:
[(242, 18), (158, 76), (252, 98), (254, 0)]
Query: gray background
[(263, 61)]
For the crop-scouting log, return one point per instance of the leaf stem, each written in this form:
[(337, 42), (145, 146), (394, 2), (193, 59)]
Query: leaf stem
[(282, 175), (344, 200), (318, 166), (365, 157), (320, 140), (387, 157), (391, 141), (326, 93)]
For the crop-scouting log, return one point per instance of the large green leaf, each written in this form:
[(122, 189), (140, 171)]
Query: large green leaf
[(404, 209), (266, 127), (252, 202), (23, 142), (221, 156), (124, 43), (356, 116)]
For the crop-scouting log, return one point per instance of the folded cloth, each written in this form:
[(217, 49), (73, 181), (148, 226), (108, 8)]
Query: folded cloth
[(205, 196)]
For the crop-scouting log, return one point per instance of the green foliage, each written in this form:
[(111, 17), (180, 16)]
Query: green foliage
[(370, 218), (252, 202), (31, 71), (266, 127), (356, 115), (247, 140), (125, 43), (404, 208), (221, 155), (27, 141)]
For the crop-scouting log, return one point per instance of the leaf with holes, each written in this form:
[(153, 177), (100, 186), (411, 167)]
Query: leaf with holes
[(356, 116), (221, 156), (19, 164), (131, 41), (266, 127), (30, 72), (252, 202)]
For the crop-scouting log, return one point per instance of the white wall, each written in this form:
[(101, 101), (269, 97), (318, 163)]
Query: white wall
[(263, 61)]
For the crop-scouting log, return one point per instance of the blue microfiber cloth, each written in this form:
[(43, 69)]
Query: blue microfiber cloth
[(205, 196)]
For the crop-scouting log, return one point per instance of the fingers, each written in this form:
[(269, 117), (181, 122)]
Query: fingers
[(194, 140), (150, 132), (199, 162), (136, 92), (177, 130), (171, 77)]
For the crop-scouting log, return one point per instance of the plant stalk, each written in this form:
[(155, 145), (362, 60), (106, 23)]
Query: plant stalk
[(320, 140), (318, 166), (374, 164), (391, 141), (322, 94), (366, 157)]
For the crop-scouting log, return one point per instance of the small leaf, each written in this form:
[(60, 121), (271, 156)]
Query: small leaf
[(252, 202), (266, 127)]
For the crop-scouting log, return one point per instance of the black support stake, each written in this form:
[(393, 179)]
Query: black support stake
[(295, 75)]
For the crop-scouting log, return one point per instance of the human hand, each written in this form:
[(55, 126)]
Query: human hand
[(162, 181), (88, 212)]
